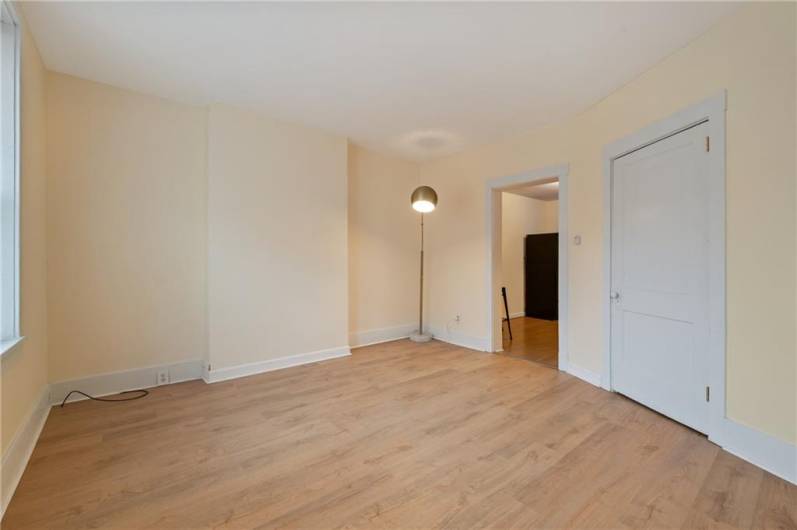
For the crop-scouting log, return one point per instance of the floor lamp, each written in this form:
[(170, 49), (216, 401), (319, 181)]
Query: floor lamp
[(424, 200)]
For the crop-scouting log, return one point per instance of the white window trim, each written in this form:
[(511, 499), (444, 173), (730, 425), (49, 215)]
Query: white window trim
[(9, 344)]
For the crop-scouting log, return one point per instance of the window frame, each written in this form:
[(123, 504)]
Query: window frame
[(15, 337)]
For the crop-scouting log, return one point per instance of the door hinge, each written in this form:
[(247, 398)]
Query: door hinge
[(708, 144), (708, 393)]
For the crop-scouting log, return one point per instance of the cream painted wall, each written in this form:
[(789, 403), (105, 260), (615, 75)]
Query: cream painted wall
[(384, 242), (129, 231), (521, 216), (23, 370), (277, 239), (752, 55), (126, 218)]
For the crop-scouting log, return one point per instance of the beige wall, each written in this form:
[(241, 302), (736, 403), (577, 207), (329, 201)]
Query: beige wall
[(521, 216), (24, 369), (752, 55), (126, 231), (129, 231), (384, 242), (277, 249)]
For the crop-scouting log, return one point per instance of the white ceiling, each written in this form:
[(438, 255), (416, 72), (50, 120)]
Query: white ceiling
[(416, 79), (547, 191)]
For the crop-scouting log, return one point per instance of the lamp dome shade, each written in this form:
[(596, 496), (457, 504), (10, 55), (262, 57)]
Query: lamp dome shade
[(424, 199)]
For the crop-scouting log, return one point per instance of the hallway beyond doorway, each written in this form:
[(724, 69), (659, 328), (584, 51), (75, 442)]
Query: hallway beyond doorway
[(533, 339)]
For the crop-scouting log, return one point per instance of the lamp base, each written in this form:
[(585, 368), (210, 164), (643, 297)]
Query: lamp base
[(420, 337)]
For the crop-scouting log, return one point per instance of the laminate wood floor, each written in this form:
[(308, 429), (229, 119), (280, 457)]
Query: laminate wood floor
[(398, 435), (533, 339)]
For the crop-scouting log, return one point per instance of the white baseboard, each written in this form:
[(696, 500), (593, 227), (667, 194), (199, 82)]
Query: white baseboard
[(377, 336), (115, 382), (517, 315), (760, 449), (16, 457), (243, 370), (459, 339), (582, 373)]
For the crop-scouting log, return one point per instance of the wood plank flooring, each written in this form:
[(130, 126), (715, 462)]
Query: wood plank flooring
[(399, 435), (533, 339)]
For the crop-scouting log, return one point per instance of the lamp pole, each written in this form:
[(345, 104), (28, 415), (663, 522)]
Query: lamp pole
[(424, 200), (420, 311)]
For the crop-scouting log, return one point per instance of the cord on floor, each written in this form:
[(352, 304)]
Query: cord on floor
[(141, 393)]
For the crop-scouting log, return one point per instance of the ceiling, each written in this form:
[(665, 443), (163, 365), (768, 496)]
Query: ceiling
[(419, 80), (547, 191)]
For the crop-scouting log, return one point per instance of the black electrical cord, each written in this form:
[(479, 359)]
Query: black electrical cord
[(142, 393)]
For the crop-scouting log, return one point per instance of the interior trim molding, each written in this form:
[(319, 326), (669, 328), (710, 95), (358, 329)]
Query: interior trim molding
[(459, 339), (760, 449), (493, 206), (259, 367), (712, 112), (517, 315), (589, 376), (359, 339), (17, 456), (115, 382)]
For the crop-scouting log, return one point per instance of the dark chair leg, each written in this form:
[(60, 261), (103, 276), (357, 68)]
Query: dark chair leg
[(506, 310)]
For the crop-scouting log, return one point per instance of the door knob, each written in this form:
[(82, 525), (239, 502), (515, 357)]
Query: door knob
[(614, 295)]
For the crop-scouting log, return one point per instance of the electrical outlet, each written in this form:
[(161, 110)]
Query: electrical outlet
[(457, 318), (163, 378)]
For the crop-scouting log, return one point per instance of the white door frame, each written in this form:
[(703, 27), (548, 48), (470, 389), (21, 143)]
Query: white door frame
[(712, 112), (495, 187)]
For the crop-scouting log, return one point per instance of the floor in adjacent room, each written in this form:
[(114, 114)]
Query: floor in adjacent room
[(399, 435), (533, 339)]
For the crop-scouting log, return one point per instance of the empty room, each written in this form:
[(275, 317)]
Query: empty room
[(398, 265)]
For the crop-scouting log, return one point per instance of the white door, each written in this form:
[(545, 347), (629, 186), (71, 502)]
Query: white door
[(659, 276)]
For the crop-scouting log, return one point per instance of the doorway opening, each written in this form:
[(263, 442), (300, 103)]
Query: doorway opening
[(527, 235), (529, 268)]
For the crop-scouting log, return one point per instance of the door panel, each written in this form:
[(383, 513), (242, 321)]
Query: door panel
[(659, 328)]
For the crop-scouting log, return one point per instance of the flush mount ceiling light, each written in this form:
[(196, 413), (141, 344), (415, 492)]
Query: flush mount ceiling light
[(424, 199)]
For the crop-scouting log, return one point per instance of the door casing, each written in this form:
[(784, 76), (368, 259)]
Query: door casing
[(493, 189), (712, 112)]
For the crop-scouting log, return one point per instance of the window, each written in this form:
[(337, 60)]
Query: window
[(9, 179)]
